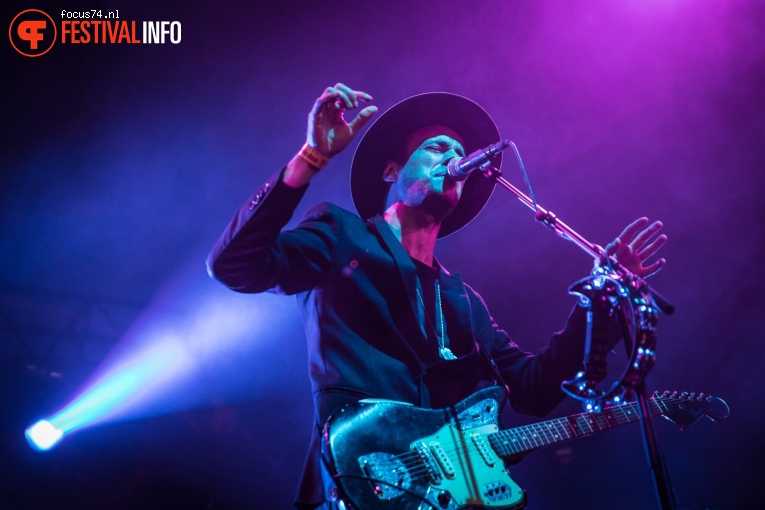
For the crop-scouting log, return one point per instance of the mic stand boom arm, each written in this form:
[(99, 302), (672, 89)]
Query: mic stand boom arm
[(551, 221)]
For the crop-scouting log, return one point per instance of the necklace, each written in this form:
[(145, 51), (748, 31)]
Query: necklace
[(440, 328)]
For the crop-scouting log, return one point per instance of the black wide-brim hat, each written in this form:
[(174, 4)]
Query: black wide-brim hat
[(467, 118)]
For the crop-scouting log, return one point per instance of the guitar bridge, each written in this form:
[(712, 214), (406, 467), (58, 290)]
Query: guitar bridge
[(386, 473), (423, 453)]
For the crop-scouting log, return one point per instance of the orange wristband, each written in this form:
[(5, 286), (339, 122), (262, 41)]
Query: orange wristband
[(313, 157)]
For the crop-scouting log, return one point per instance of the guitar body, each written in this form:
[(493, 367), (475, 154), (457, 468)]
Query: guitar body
[(390, 455)]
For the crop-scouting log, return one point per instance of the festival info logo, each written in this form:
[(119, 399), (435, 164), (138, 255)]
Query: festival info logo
[(32, 33)]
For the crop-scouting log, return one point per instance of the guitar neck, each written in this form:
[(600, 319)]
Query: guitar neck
[(512, 442)]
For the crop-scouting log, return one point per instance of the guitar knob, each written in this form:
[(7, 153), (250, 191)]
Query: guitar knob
[(443, 499)]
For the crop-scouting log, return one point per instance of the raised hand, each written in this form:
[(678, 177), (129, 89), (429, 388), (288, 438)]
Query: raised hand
[(636, 244), (328, 132)]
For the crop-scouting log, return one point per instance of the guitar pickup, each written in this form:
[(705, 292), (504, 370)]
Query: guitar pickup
[(483, 448), (443, 459)]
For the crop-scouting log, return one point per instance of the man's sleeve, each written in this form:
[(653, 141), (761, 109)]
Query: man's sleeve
[(534, 379), (254, 255)]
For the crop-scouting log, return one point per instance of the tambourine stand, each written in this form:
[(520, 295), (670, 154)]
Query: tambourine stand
[(653, 450)]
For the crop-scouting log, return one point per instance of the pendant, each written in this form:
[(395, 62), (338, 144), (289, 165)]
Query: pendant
[(446, 353)]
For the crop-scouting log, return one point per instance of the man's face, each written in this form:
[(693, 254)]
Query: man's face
[(422, 181)]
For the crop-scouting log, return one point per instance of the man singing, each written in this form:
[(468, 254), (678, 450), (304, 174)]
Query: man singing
[(383, 318)]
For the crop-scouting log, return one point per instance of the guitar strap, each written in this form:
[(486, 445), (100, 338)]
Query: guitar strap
[(499, 380)]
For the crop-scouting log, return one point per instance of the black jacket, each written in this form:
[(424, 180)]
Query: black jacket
[(356, 288)]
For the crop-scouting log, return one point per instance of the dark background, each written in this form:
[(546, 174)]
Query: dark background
[(122, 163)]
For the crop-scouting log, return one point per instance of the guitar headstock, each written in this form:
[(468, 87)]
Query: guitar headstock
[(684, 409)]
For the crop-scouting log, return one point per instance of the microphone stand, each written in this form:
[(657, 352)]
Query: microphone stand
[(654, 454)]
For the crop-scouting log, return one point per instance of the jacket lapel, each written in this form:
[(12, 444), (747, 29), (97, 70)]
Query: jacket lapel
[(456, 300), (453, 288), (406, 268)]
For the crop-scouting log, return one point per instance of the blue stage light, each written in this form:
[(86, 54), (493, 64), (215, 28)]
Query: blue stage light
[(166, 353), (43, 435), (118, 389)]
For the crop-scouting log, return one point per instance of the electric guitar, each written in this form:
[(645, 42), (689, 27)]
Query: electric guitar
[(388, 455)]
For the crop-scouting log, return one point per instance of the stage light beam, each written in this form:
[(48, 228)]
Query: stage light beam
[(43, 435), (116, 391), (168, 346)]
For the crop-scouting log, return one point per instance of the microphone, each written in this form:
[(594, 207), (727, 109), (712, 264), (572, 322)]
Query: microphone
[(460, 168)]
